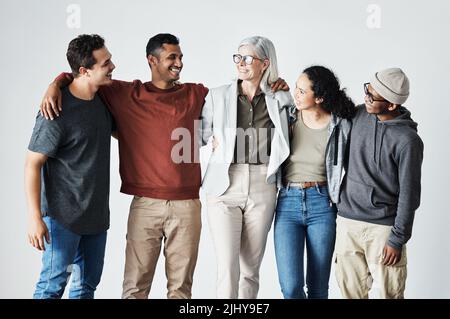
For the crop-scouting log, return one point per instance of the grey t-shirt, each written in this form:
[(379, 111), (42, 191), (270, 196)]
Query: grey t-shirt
[(75, 178)]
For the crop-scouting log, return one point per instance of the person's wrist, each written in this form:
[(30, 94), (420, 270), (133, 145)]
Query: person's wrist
[(35, 215)]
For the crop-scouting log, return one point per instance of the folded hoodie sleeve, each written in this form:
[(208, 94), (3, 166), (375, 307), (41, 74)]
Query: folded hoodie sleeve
[(409, 173)]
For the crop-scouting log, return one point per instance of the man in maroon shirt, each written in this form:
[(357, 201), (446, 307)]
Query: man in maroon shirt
[(166, 202)]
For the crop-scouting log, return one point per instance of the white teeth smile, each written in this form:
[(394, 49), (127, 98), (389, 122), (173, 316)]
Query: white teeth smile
[(177, 70)]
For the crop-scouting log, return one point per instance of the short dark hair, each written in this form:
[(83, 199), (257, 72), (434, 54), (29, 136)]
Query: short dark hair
[(79, 53), (155, 43)]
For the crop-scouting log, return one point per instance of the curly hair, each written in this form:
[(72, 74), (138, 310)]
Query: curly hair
[(79, 53), (326, 85)]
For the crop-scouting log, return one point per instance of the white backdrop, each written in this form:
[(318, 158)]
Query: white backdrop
[(353, 37)]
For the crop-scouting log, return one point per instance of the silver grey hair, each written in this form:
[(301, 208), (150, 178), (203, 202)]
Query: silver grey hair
[(264, 49)]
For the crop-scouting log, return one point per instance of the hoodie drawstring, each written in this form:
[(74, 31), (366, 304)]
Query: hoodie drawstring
[(377, 150), (336, 145), (375, 140), (383, 130)]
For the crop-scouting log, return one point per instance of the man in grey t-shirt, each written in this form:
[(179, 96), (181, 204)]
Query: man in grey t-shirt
[(67, 178)]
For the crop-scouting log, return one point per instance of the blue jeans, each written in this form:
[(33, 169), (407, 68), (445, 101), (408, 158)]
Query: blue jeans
[(69, 253), (304, 215)]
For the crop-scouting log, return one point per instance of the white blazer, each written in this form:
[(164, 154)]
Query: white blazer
[(219, 119)]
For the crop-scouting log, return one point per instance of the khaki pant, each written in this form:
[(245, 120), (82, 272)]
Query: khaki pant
[(178, 223), (359, 249), (239, 221)]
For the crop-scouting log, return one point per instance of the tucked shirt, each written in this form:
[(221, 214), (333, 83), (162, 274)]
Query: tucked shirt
[(75, 177), (254, 130), (307, 160), (157, 137)]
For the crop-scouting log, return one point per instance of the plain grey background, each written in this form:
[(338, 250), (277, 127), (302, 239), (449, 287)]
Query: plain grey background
[(353, 37)]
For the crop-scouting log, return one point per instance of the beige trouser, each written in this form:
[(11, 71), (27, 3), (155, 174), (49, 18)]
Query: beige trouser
[(239, 222), (359, 249), (178, 223)]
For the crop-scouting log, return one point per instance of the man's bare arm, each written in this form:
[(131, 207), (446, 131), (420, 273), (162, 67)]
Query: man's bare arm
[(37, 230), (51, 103), (278, 85)]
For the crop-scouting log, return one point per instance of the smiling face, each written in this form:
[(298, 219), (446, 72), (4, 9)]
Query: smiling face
[(379, 104), (252, 72), (101, 71), (304, 95), (168, 64)]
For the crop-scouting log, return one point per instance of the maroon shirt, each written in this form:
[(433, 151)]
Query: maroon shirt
[(145, 117)]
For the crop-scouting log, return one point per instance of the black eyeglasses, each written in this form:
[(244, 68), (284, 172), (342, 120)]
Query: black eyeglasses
[(369, 95), (248, 59)]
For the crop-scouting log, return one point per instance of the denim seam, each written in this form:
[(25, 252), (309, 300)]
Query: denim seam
[(51, 258), (82, 274), (303, 194)]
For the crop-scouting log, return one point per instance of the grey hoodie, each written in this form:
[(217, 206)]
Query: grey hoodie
[(382, 184)]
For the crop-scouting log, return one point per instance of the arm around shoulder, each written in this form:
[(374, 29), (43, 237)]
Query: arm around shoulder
[(51, 103)]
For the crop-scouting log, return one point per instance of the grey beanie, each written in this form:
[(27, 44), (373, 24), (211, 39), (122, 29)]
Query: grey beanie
[(392, 84)]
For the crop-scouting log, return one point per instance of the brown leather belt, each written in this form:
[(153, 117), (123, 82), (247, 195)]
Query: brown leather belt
[(304, 184)]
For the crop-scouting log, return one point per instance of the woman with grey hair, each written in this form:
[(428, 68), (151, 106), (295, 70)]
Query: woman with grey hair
[(249, 124)]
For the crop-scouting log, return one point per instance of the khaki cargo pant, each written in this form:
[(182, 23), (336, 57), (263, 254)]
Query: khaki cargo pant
[(151, 222), (359, 249)]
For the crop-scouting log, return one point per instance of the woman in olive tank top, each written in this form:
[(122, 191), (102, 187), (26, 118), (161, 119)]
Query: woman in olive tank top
[(311, 177)]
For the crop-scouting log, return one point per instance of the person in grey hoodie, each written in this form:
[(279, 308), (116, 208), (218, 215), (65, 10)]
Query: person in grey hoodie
[(381, 191)]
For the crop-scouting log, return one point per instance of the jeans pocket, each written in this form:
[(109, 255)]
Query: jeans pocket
[(322, 190), (282, 192), (288, 201)]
